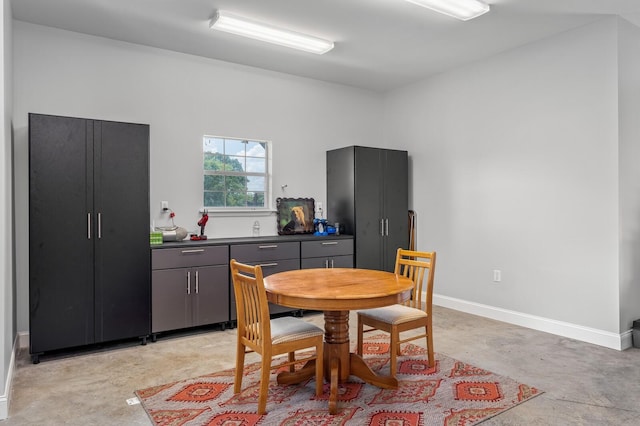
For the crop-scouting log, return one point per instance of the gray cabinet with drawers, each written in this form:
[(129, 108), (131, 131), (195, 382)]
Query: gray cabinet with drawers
[(190, 287), (272, 257), (191, 282), (326, 254)]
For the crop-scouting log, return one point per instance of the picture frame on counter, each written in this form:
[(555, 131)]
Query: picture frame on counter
[(295, 215)]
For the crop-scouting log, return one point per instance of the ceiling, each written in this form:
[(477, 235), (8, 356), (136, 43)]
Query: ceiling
[(379, 44)]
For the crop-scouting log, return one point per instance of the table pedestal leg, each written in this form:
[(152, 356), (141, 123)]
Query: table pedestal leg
[(336, 343), (360, 369), (336, 353), (333, 389), (339, 363), (292, 378)]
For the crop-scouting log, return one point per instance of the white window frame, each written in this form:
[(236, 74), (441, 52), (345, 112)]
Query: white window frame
[(235, 210)]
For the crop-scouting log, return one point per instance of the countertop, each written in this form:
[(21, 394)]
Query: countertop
[(248, 240)]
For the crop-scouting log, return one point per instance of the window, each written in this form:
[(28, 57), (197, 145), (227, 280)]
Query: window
[(236, 173)]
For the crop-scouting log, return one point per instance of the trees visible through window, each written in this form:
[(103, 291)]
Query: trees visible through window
[(235, 173)]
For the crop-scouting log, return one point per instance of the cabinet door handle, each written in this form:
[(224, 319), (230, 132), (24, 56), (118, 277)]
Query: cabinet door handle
[(268, 247), (330, 243), (88, 226), (197, 283), (326, 263), (192, 251), (99, 225), (386, 224), (188, 282), (382, 227), (266, 265), (331, 263)]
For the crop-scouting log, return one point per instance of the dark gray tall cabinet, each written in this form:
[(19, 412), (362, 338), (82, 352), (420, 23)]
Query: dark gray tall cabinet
[(367, 193), (89, 257)]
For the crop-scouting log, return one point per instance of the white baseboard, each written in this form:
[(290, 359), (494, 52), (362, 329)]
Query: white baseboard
[(6, 396), (23, 339), (626, 340), (560, 328)]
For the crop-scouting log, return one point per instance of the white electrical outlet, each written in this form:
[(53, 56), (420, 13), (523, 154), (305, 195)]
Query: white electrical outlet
[(497, 275), (164, 205)]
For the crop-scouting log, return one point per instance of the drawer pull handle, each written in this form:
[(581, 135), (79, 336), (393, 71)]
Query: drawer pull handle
[(192, 251), (268, 247), (330, 243), (266, 265)]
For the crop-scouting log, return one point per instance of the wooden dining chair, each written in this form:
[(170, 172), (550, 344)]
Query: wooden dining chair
[(257, 333), (413, 314)]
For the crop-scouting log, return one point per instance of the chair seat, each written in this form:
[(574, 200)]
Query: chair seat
[(288, 329), (395, 314)]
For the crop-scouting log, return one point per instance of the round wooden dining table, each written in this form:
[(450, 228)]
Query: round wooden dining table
[(336, 292)]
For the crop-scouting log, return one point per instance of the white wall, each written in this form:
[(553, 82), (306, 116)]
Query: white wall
[(7, 300), (629, 93), (183, 98), (514, 159), (518, 171)]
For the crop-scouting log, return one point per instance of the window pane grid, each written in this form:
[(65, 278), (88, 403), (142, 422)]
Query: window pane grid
[(235, 173)]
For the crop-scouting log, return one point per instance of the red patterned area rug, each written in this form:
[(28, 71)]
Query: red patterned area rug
[(451, 393)]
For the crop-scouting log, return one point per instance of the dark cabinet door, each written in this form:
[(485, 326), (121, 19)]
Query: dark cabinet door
[(60, 233), (341, 261), (395, 205), (121, 187), (341, 188), (369, 220), (171, 299), (327, 262), (210, 294)]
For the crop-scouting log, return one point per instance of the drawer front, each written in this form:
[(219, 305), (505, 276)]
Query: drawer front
[(189, 256), (325, 248), (269, 268), (265, 252), (327, 262)]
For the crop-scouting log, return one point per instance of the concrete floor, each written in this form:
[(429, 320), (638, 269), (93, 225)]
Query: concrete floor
[(584, 384)]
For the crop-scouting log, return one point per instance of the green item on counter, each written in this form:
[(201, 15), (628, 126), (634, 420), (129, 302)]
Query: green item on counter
[(155, 238)]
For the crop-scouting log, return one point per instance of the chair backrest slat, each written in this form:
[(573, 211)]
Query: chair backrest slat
[(417, 266), (252, 307)]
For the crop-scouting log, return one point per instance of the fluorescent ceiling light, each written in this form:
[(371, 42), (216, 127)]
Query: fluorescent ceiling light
[(234, 24), (461, 9)]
